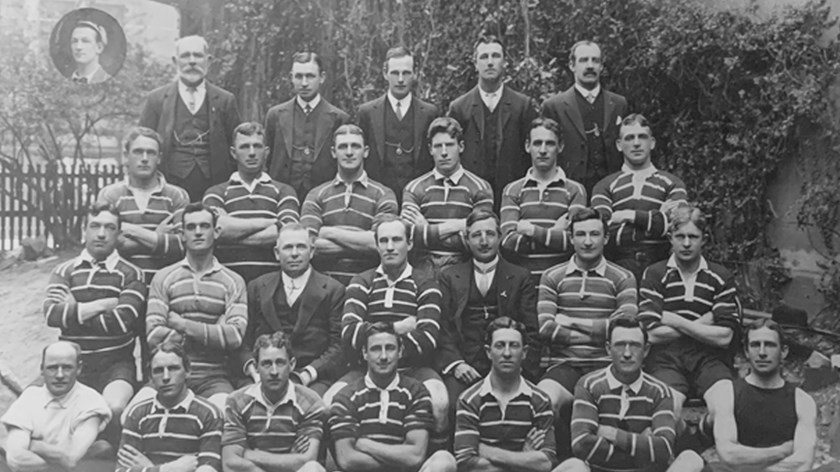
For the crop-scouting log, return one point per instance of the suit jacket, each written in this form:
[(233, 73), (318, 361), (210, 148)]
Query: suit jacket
[(316, 336), (279, 127), (563, 108), (516, 113), (159, 114), (372, 122), (517, 299)]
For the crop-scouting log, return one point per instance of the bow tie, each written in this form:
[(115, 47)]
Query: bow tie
[(80, 80), (485, 270)]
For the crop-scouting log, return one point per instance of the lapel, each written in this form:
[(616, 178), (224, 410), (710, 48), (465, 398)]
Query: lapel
[(504, 285), (169, 103), (572, 110), (462, 275), (323, 127), (609, 108), (267, 302), (478, 111), (420, 111), (213, 99), (506, 102), (378, 122), (285, 116), (309, 299)]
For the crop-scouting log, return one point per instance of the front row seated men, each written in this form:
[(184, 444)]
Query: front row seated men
[(381, 421)]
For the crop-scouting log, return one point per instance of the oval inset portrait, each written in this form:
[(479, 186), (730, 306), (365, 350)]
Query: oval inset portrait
[(88, 46)]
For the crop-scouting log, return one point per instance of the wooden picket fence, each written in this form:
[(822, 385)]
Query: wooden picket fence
[(70, 189)]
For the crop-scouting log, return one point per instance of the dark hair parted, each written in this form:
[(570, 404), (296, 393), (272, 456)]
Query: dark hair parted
[(485, 38), (99, 207), (480, 214), (141, 131), (764, 323), (396, 53), (627, 322), (547, 123), (389, 218), (198, 207), (505, 322), (378, 328), (305, 57), (249, 128), (445, 124), (585, 214), (174, 348), (276, 340)]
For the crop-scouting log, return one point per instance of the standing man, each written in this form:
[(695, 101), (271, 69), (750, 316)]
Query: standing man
[(474, 294), (589, 118), (302, 303), (297, 130), (495, 119), (96, 301), (274, 424), (623, 419), (437, 203), (504, 422), (395, 125), (765, 423), (175, 429), (252, 207), (637, 199), (52, 427), (535, 208), (196, 120), (577, 301), (691, 309), (381, 421), (202, 304), (341, 212), (147, 204)]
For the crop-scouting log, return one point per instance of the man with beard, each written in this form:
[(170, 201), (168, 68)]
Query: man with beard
[(196, 120)]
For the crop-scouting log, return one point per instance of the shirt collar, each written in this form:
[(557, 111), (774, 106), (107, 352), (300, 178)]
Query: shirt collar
[(672, 263), (62, 400), (185, 403), (255, 390), (158, 188), (88, 77), (405, 102), (291, 281), (486, 265), (485, 96), (645, 173), (600, 269), (584, 92), (487, 388), (455, 177), (560, 176), (199, 89), (404, 275), (215, 267), (312, 103), (391, 386), (614, 383), (263, 178), (363, 179), (110, 262)]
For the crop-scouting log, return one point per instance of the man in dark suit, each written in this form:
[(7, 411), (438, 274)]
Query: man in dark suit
[(196, 120), (298, 131), (589, 119), (495, 119), (474, 294), (396, 124), (302, 303)]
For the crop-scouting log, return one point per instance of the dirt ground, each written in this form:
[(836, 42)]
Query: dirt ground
[(24, 333)]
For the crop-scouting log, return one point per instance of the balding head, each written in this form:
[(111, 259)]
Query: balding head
[(60, 365)]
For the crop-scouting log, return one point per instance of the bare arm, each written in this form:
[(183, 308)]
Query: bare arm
[(663, 334), (804, 437), (265, 237), (351, 239), (409, 454), (525, 461), (701, 329), (233, 459), (69, 454), (235, 229), (348, 457), (289, 462), (18, 454)]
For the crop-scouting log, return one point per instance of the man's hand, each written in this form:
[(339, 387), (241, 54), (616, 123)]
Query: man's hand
[(168, 225), (608, 432), (62, 294), (181, 464), (105, 304), (128, 456), (708, 318), (176, 322), (534, 440), (465, 373), (562, 223), (526, 227), (301, 445), (413, 216), (405, 325), (623, 216)]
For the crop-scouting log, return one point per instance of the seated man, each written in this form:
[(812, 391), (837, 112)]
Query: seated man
[(437, 203), (749, 439), (535, 208), (274, 424), (576, 302), (504, 422), (381, 422), (174, 430), (636, 200), (392, 293), (341, 211), (302, 303), (52, 427), (623, 419), (690, 308), (202, 304), (252, 207), (96, 300), (474, 294)]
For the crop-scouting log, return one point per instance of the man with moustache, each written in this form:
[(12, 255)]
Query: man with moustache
[(175, 430), (302, 303), (274, 424), (495, 119), (341, 212), (474, 294), (395, 125), (298, 130), (637, 199), (589, 118), (53, 427), (252, 206), (535, 208), (96, 300), (196, 120), (381, 421)]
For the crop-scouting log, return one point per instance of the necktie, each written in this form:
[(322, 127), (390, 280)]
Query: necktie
[(191, 91), (399, 111), (291, 293), (483, 278), (625, 402), (307, 109), (447, 185), (590, 97), (491, 101), (80, 80)]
